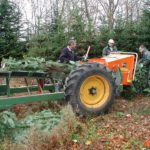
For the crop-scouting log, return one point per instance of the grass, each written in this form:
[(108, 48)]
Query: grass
[(145, 111)]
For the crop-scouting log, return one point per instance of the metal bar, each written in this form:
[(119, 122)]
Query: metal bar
[(8, 86), (27, 86), (4, 74), (24, 74), (87, 53), (3, 89), (4, 81), (22, 89), (135, 66), (47, 87), (40, 86), (7, 102)]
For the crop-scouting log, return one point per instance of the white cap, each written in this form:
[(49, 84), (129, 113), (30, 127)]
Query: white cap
[(111, 41)]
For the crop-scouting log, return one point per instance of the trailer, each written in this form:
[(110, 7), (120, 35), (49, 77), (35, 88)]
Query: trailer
[(34, 93)]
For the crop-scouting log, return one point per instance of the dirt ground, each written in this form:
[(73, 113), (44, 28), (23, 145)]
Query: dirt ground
[(125, 127)]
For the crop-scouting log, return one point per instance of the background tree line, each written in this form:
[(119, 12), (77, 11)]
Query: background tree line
[(45, 27)]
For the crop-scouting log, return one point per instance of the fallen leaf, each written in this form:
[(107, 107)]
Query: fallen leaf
[(100, 132), (75, 141), (88, 142), (147, 144), (103, 139), (128, 115)]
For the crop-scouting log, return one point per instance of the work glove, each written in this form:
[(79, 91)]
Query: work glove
[(3, 65), (84, 57), (71, 62), (141, 65)]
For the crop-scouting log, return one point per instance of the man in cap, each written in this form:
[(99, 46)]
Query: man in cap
[(110, 48), (68, 55)]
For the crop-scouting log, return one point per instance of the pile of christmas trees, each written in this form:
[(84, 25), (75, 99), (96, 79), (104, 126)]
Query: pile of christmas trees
[(35, 64)]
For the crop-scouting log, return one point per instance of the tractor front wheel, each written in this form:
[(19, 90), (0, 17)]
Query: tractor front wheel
[(90, 89)]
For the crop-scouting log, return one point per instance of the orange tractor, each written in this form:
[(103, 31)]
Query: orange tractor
[(91, 88)]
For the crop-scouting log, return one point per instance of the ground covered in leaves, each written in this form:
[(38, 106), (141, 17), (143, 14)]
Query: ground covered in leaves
[(125, 127)]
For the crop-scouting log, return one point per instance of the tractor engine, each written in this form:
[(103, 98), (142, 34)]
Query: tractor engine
[(124, 62)]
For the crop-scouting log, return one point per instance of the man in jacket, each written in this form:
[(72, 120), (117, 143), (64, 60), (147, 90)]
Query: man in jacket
[(68, 55), (145, 60), (110, 48)]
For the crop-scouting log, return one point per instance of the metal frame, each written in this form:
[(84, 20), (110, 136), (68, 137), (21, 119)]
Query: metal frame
[(6, 92), (24, 89), (10, 101)]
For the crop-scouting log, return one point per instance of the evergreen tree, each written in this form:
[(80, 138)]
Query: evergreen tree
[(127, 37), (144, 26), (50, 40), (9, 29), (128, 34)]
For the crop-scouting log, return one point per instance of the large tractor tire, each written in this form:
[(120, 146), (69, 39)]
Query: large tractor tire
[(90, 89)]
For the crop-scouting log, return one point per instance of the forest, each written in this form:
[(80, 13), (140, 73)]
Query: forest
[(32, 35), (43, 27)]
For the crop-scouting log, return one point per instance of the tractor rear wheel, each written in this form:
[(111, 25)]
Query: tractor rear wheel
[(90, 89)]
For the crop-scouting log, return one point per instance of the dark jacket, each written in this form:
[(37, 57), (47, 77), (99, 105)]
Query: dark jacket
[(107, 50), (68, 55), (145, 57)]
